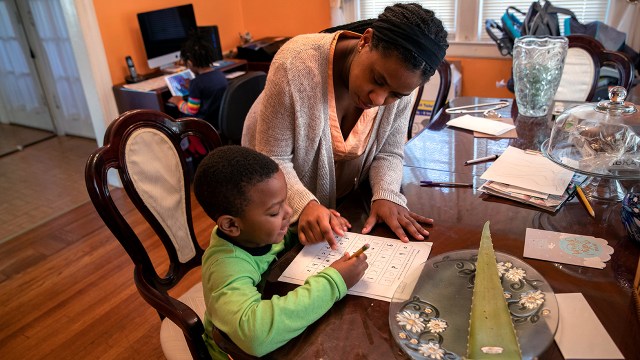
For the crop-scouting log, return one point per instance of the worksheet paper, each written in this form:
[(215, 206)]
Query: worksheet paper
[(389, 261), (527, 170)]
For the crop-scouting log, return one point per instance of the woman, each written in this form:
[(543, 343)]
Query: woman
[(335, 110)]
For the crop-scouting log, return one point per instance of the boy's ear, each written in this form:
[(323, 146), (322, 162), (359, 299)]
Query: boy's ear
[(229, 225)]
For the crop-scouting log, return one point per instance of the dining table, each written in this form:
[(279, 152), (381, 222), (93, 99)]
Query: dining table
[(358, 327)]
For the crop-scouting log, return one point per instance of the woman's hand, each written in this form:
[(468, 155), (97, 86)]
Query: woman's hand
[(317, 224), (398, 218)]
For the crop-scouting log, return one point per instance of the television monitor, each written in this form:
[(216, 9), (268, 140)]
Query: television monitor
[(164, 31), (211, 32)]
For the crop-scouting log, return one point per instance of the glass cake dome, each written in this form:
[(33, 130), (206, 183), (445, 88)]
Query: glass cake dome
[(599, 140)]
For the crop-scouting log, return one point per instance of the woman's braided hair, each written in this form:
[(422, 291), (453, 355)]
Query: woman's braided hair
[(414, 14)]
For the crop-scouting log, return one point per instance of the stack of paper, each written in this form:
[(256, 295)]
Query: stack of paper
[(530, 178)]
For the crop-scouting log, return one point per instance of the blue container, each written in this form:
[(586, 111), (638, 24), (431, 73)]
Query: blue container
[(631, 215)]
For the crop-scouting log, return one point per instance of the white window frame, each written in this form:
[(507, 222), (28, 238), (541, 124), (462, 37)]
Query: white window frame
[(465, 42)]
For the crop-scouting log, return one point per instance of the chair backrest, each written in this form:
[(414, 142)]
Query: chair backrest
[(586, 64), (443, 75), (236, 102), (144, 146)]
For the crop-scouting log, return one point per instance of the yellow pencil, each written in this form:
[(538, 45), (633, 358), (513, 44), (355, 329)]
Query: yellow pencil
[(585, 201), (360, 251)]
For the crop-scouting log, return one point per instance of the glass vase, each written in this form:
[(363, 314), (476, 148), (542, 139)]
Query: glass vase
[(537, 67)]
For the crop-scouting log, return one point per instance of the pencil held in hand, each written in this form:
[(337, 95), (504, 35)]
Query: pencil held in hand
[(360, 251)]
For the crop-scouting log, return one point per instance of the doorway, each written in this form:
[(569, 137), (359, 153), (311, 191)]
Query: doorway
[(40, 90)]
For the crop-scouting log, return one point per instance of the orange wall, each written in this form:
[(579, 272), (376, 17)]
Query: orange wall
[(285, 17), (479, 76), (121, 36)]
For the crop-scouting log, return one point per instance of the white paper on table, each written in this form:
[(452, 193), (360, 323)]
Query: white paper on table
[(580, 334), (389, 261), (479, 124), (530, 171)]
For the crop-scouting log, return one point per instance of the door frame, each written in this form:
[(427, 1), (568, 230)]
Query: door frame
[(91, 59), (88, 49)]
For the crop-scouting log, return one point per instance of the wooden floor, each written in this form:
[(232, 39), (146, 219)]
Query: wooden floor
[(41, 182), (15, 137), (67, 291)]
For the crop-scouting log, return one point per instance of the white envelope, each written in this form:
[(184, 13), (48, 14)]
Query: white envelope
[(580, 334), (479, 124)]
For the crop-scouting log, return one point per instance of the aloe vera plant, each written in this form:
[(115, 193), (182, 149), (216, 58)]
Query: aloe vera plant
[(491, 331)]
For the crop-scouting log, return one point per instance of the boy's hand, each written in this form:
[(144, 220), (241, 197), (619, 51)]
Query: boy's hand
[(351, 270), (317, 224), (175, 100)]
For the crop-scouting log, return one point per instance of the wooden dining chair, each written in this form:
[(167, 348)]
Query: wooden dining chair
[(443, 77), (144, 146), (587, 64)]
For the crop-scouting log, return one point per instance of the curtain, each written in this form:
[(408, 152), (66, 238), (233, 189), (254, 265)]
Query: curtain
[(624, 16), (49, 23), (18, 90), (343, 11), (337, 14)]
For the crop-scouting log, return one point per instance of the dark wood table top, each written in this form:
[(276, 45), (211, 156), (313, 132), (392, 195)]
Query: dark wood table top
[(358, 327)]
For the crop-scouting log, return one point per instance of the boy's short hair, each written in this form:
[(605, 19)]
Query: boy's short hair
[(198, 49), (225, 177)]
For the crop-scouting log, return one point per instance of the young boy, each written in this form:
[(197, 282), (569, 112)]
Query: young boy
[(245, 193), (208, 87)]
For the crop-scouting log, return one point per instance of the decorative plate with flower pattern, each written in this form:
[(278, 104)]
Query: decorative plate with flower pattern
[(429, 314)]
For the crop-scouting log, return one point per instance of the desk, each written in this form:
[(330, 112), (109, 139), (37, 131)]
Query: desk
[(358, 327), (127, 99)]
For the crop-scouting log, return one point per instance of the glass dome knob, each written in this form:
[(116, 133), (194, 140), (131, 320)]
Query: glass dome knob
[(617, 94), (616, 104)]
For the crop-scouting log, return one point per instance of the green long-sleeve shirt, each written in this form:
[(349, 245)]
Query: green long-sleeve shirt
[(231, 277)]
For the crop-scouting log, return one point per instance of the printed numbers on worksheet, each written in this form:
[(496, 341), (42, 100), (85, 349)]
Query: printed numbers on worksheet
[(386, 260)]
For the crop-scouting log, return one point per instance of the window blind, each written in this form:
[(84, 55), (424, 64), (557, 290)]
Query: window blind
[(445, 10), (585, 10)]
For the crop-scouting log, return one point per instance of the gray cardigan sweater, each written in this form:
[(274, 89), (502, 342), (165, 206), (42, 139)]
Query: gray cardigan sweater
[(290, 122)]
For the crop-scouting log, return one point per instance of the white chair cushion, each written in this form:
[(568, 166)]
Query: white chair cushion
[(156, 172), (172, 339), (577, 76)]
